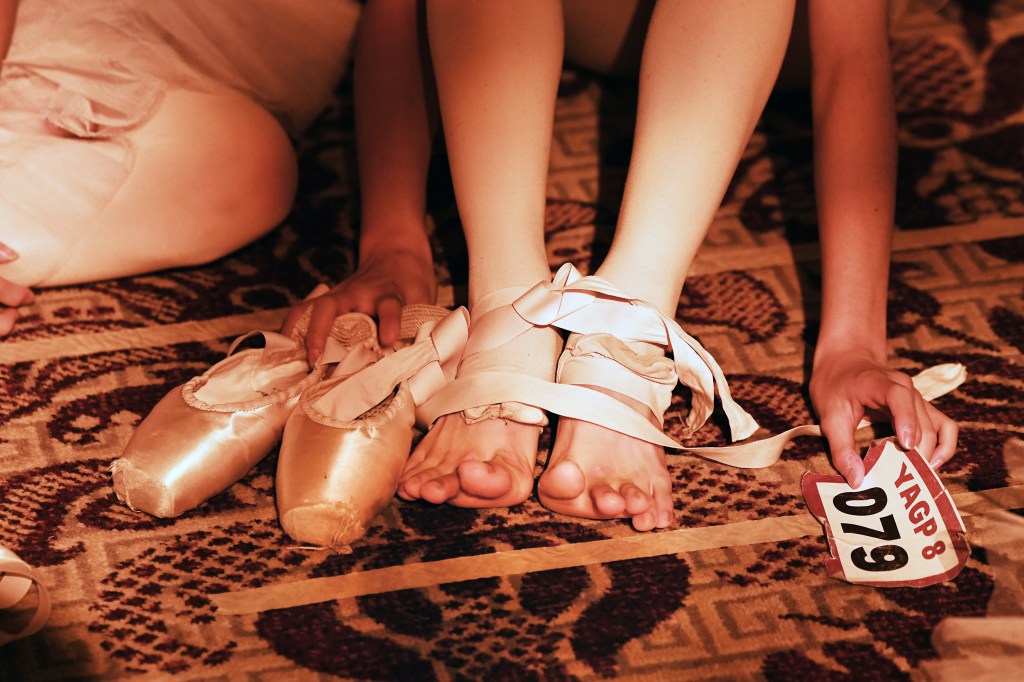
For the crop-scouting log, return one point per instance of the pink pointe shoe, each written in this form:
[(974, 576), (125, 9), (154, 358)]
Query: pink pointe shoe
[(346, 443), (207, 434)]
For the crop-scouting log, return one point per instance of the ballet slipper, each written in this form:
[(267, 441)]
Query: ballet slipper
[(207, 434), (345, 445)]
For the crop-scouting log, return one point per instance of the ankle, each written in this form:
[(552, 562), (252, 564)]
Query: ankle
[(662, 292)]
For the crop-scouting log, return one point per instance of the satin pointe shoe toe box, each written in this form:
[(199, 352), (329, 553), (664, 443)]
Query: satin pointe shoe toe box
[(187, 450), (335, 477)]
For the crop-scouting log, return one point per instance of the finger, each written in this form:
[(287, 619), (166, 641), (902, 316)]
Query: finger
[(324, 313), (389, 319), (948, 432), (13, 295), (293, 317), (838, 429), (318, 291), (902, 406), (361, 299), (7, 254), (8, 316), (295, 314), (927, 436)]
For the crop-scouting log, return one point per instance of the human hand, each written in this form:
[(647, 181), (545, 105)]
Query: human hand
[(381, 285), (845, 385), (11, 296)]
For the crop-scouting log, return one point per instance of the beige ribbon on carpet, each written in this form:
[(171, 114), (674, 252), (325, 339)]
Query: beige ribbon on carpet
[(520, 561), (16, 579), (932, 383)]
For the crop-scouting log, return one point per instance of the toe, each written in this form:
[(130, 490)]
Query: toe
[(440, 489), (607, 501), (409, 487), (645, 521), (563, 481), (663, 504), (637, 502), (484, 479)]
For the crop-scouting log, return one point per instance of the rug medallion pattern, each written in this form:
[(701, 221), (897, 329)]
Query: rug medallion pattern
[(132, 593)]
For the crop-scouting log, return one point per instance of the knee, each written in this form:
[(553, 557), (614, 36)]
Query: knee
[(254, 173), (238, 172)]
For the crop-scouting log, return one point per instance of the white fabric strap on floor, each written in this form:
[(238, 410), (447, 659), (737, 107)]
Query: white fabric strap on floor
[(932, 383), (520, 561), (16, 579)]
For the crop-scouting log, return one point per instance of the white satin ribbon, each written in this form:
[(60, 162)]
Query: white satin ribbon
[(428, 365), (16, 579), (590, 305)]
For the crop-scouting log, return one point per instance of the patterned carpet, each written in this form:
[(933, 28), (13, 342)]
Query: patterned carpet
[(737, 589)]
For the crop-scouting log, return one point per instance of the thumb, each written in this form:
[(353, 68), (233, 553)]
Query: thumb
[(838, 430)]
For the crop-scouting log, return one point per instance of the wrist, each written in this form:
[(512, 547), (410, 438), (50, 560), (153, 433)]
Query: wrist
[(410, 241), (849, 348)]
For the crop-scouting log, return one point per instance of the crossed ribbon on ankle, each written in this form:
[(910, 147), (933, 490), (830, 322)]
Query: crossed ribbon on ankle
[(591, 305)]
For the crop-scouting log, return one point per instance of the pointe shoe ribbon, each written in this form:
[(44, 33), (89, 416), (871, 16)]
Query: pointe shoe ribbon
[(16, 579), (931, 382), (428, 365), (346, 443), (599, 315), (590, 305)]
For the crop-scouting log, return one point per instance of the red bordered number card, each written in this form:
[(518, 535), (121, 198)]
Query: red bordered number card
[(898, 529)]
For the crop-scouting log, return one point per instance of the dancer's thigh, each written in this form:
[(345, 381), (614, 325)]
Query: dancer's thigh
[(209, 172), (607, 36)]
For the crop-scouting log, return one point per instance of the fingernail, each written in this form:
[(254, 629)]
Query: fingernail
[(7, 254), (907, 439), (853, 466)]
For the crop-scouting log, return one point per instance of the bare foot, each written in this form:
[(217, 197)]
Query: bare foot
[(597, 473), (486, 464)]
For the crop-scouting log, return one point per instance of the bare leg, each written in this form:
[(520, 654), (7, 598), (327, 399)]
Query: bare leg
[(706, 74), (497, 67), (395, 123), (211, 173)]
